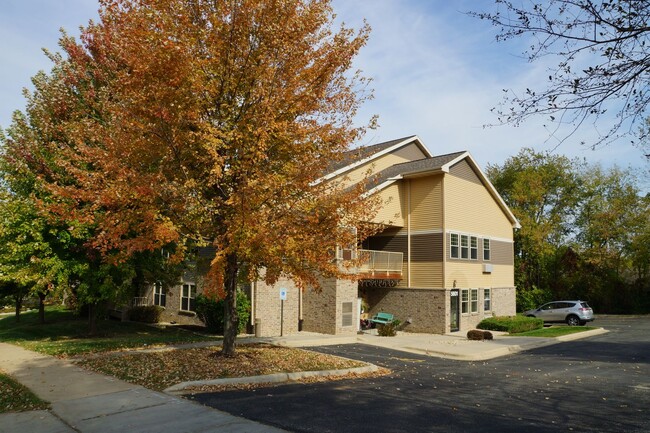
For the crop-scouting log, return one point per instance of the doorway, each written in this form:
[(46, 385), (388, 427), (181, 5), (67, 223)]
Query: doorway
[(454, 310)]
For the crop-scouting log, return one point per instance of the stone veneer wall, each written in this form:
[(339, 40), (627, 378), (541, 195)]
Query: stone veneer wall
[(503, 304), (504, 301), (427, 309), (323, 310), (267, 307)]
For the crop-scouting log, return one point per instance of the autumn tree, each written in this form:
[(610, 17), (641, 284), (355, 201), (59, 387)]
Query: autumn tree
[(210, 121), (612, 222), (583, 231), (602, 74), (543, 191)]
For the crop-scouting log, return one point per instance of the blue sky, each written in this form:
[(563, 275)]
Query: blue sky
[(437, 73)]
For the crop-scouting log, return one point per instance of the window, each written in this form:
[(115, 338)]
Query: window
[(487, 299), (474, 301), (464, 246), (159, 294), (486, 249), (454, 246), (188, 293), (473, 248), (464, 301), (346, 309)]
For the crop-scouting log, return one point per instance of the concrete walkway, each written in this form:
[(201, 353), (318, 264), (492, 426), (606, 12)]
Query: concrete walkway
[(450, 346), (83, 401)]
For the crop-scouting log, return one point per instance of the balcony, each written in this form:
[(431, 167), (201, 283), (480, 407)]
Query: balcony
[(374, 265)]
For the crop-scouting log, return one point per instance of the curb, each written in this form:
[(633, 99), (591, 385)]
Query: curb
[(270, 378), (508, 349)]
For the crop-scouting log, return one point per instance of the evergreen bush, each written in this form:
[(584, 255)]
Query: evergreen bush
[(210, 311), (511, 324), (146, 314), (388, 329)]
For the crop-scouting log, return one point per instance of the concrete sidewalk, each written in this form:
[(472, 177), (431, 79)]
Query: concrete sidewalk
[(83, 401), (450, 346)]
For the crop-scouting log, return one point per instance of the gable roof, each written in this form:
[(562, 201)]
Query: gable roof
[(365, 154), (432, 165)]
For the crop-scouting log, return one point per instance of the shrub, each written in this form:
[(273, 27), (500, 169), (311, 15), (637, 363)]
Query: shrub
[(210, 311), (528, 299), (146, 314), (477, 334), (512, 324), (388, 329)]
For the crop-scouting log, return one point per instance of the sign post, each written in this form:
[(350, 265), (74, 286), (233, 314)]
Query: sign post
[(283, 297)]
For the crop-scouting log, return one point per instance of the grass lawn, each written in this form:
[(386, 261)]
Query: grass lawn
[(14, 397), (116, 351), (162, 369), (66, 334), (554, 331)]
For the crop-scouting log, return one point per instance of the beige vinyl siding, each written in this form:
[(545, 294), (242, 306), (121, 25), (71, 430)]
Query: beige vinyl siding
[(471, 275), (410, 152), (426, 202), (470, 206), (393, 206), (426, 275)]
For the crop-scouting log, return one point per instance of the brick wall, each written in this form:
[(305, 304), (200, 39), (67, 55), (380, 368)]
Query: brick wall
[(427, 309), (268, 308), (323, 310)]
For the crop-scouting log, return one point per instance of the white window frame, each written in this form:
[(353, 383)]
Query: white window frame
[(487, 299), (473, 248), (454, 245), (487, 254), (473, 301), (191, 294), (464, 247), (159, 293), (464, 301)]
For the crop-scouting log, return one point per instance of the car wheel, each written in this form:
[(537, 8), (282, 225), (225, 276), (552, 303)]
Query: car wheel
[(572, 321)]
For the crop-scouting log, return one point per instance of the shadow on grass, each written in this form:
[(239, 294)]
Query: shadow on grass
[(66, 334)]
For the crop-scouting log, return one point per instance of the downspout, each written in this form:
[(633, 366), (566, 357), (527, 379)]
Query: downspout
[(444, 232), (408, 234), (253, 303)]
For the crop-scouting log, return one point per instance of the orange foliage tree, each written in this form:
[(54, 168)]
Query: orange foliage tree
[(213, 121)]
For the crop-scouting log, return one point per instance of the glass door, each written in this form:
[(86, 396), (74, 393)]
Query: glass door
[(454, 309)]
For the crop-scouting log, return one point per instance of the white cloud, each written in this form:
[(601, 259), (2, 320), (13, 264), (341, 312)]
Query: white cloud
[(439, 72)]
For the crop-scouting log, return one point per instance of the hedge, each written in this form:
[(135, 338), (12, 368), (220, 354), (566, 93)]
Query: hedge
[(210, 312), (511, 324), (146, 314)]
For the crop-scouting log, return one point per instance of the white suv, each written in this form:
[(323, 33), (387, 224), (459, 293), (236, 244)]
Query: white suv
[(572, 312)]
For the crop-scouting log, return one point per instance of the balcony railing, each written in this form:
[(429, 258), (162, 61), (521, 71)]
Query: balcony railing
[(380, 264), (139, 302)]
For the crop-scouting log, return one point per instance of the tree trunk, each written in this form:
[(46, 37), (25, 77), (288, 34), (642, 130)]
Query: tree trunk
[(19, 306), (230, 317), (92, 319), (41, 308)]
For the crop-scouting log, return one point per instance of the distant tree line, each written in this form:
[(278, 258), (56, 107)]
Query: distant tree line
[(585, 232)]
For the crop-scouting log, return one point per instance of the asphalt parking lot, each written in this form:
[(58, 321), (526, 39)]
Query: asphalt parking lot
[(599, 384)]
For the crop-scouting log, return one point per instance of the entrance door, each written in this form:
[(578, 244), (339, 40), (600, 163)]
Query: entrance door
[(454, 309)]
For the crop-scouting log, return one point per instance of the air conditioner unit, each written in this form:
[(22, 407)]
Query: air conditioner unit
[(487, 268)]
